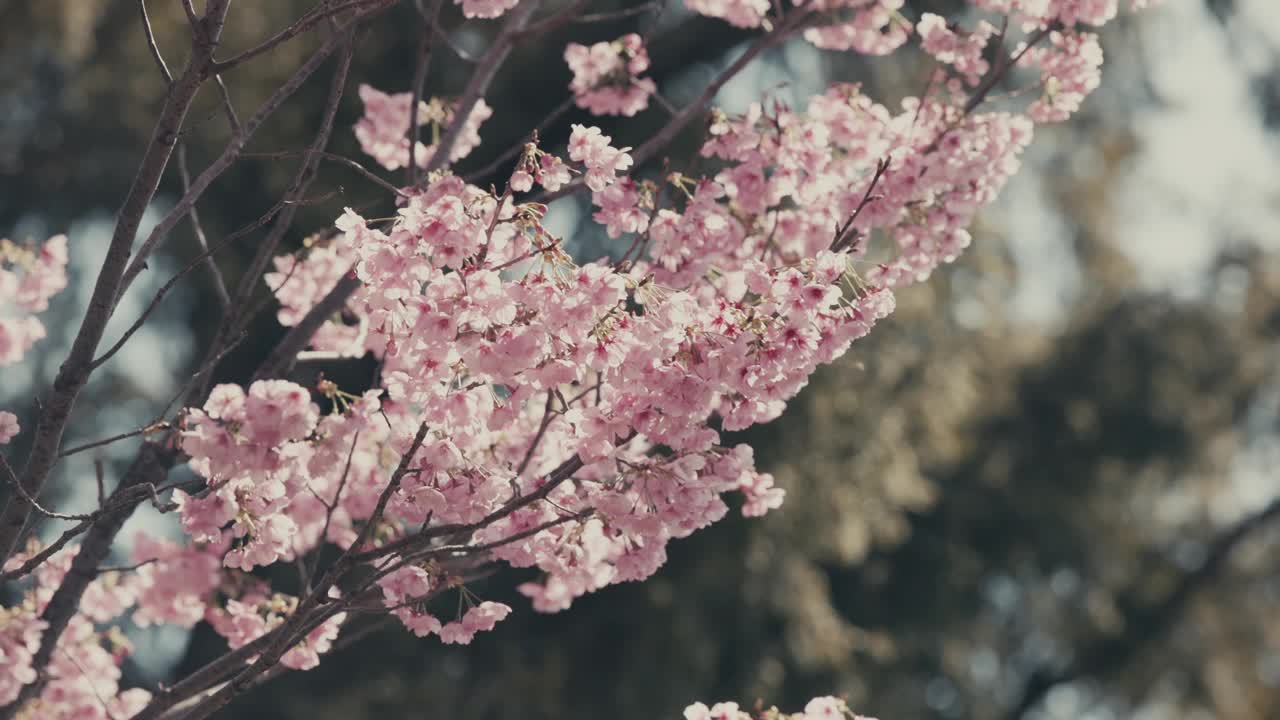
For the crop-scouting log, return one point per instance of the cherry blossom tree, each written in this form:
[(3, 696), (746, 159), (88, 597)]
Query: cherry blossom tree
[(531, 410)]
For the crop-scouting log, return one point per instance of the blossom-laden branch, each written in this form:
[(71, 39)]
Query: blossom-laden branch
[(529, 410)]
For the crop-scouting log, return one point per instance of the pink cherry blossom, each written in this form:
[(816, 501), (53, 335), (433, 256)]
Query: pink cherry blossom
[(592, 148), (963, 51), (9, 427), (739, 13), (383, 132), (487, 9), (606, 76)]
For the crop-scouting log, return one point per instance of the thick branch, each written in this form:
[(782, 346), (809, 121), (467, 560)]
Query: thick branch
[(75, 370), (285, 354)]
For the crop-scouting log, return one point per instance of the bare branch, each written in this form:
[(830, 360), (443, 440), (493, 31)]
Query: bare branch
[(431, 26), (219, 283), (333, 157), (12, 479), (151, 43), (150, 427), (228, 157), (45, 553), (229, 108), (297, 192), (172, 282), (310, 19)]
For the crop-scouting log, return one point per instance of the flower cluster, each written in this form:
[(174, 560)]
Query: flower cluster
[(870, 27), (486, 9), (383, 132), (28, 279), (962, 51), (173, 583), (8, 426), (1070, 69), (590, 365), (606, 76), (84, 671), (405, 592), (247, 618), (587, 145), (820, 708), (546, 169), (246, 446)]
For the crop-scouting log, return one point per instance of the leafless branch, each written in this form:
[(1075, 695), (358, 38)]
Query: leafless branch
[(219, 282)]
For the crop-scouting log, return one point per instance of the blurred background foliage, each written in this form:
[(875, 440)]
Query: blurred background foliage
[(1045, 487)]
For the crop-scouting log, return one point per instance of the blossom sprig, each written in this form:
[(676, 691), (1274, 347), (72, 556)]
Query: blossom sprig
[(29, 278), (606, 76), (383, 132), (819, 708)]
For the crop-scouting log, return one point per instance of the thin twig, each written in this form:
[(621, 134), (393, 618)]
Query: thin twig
[(45, 553), (126, 568), (172, 282), (228, 108), (219, 282), (151, 43), (150, 427), (329, 508), (332, 157), (310, 19), (431, 25), (12, 479), (846, 235), (506, 156), (228, 157), (74, 372)]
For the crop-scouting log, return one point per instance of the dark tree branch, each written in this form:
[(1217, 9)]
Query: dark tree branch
[(285, 354), (485, 72), (76, 369)]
